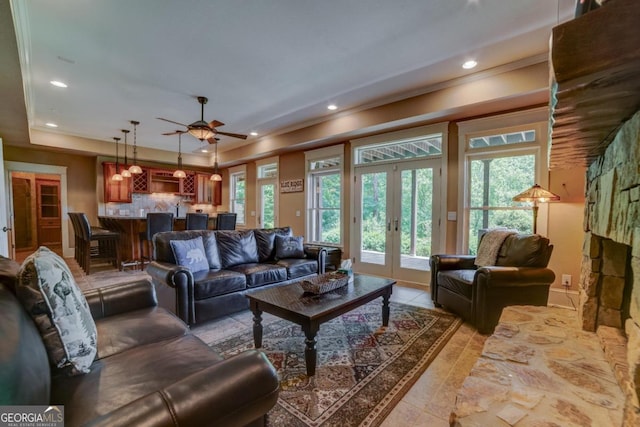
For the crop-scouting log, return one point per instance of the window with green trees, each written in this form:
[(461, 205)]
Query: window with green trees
[(502, 156), (493, 183), (324, 195), (237, 193)]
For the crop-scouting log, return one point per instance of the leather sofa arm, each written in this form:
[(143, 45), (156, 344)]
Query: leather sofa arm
[(447, 262), (512, 277), (319, 254), (233, 392), (167, 273), (179, 278), (121, 298)]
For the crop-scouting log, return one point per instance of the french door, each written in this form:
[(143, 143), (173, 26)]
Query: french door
[(397, 219), (267, 203)]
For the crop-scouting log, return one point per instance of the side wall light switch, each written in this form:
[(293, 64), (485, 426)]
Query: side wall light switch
[(297, 213), (452, 216)]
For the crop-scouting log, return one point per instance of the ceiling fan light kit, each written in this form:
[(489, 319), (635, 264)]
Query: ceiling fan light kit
[(203, 130), (135, 169), (116, 176)]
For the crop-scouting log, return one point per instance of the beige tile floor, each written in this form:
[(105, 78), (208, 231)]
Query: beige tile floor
[(432, 398)]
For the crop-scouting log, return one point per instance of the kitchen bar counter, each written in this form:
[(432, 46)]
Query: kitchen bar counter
[(130, 227)]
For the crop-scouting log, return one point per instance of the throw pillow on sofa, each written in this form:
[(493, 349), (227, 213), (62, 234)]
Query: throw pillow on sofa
[(190, 253), (289, 247), (266, 241), (50, 295)]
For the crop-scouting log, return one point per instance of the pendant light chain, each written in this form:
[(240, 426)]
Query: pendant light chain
[(216, 174), (126, 173), (135, 168), (179, 173), (116, 176)]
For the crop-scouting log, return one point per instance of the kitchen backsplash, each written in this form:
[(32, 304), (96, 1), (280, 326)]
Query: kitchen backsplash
[(141, 204)]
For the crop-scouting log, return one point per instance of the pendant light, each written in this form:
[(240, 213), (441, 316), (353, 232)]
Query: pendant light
[(126, 173), (116, 176), (216, 174), (135, 169), (179, 173)]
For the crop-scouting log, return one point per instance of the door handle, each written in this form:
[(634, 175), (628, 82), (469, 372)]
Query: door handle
[(388, 225), (395, 222), (5, 229)]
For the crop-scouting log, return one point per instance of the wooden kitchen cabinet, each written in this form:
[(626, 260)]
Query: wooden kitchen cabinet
[(163, 181), (207, 191), (115, 191), (141, 181)]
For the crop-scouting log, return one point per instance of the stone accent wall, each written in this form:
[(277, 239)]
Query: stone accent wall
[(603, 292), (612, 243)]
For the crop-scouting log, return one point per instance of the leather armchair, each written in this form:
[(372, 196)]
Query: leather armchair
[(478, 294)]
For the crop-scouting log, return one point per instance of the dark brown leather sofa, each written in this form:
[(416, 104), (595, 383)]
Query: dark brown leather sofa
[(240, 260), (478, 295), (149, 369)]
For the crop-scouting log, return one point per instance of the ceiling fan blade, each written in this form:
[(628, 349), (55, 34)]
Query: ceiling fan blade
[(234, 135), (175, 132), (215, 124), (212, 140), (171, 121)]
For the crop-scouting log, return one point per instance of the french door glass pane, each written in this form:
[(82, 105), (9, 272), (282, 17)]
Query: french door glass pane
[(416, 218), (374, 217), (268, 204)]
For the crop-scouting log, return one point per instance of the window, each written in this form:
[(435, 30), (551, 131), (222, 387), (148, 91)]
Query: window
[(404, 149), (324, 195), (503, 156), (237, 191), (266, 185)]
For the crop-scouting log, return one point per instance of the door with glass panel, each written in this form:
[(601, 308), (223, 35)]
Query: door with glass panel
[(267, 194), (396, 220), (267, 203)]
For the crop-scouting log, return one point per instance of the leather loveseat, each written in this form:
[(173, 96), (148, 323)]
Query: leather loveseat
[(149, 369), (239, 260), (478, 294)]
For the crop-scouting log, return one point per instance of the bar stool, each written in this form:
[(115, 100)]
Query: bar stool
[(156, 223), (108, 243), (197, 221), (226, 221), (77, 231)]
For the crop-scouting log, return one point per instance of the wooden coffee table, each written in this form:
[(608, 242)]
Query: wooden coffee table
[(309, 311)]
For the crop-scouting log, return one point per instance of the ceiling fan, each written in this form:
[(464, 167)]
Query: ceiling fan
[(203, 130)]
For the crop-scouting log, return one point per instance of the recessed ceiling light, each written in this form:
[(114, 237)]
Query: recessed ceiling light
[(204, 150), (58, 83), (332, 107), (51, 125), (253, 133), (469, 64)]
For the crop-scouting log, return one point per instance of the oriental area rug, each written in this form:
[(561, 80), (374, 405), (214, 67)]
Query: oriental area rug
[(363, 369)]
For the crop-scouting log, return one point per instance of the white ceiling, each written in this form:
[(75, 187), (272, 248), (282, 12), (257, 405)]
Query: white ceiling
[(264, 65)]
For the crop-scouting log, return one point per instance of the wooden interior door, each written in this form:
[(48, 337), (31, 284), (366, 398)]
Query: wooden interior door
[(49, 214)]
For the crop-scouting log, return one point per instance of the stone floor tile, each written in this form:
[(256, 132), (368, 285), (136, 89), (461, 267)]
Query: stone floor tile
[(403, 414)]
